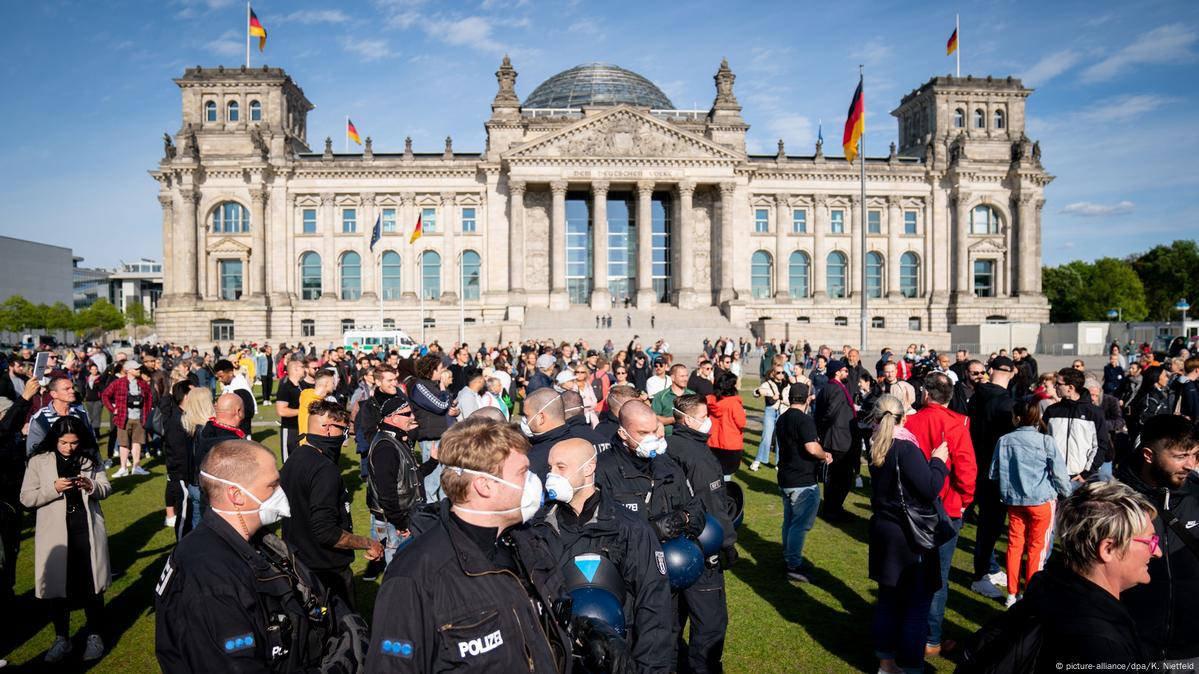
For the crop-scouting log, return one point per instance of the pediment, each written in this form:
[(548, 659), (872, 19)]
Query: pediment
[(228, 246), (622, 132), (987, 246)]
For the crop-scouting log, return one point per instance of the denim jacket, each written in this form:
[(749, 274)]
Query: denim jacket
[(1028, 468)]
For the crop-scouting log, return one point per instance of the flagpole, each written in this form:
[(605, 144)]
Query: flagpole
[(247, 34), (420, 272), (957, 29), (380, 290), (461, 300), (864, 216), (345, 133)]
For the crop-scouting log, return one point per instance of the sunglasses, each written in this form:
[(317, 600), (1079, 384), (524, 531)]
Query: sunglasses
[(622, 372), (1152, 542), (339, 427)]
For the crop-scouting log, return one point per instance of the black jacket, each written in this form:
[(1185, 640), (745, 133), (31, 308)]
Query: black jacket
[(430, 404), (445, 604), (690, 449), (990, 412), (393, 485), (539, 452), (1164, 609), (891, 553), (320, 509), (834, 419), (1081, 623), (649, 487), (370, 413), (207, 438), (629, 543), (605, 429), (177, 445)]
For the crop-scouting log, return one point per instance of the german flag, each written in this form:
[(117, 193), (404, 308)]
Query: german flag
[(855, 124), (952, 45), (416, 231), (257, 30), (351, 132)]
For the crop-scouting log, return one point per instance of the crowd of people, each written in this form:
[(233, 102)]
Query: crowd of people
[(543, 506)]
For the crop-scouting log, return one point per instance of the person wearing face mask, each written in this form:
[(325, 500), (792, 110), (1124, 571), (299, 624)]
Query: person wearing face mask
[(393, 481), (476, 591), (582, 520), (233, 597), (320, 528), (703, 604), (544, 423)]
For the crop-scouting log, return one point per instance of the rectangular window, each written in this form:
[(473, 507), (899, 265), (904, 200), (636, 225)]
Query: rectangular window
[(878, 322), (347, 324), (230, 277), (909, 222), (761, 220), (837, 221), (308, 328), (389, 219), (578, 247), (799, 221), (914, 323), (660, 242), (984, 278), (841, 320), (349, 220), (428, 219), (310, 221), (468, 221), (222, 330), (874, 222)]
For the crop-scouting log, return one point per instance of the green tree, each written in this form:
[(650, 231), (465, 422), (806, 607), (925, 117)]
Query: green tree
[(102, 315), (1168, 273), (1111, 284), (135, 314), (59, 317), (1063, 287), (17, 313)]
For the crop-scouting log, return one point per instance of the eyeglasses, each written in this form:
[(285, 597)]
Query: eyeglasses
[(622, 372), (1152, 542)]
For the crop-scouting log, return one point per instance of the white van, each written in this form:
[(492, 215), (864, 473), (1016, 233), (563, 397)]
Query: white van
[(367, 340)]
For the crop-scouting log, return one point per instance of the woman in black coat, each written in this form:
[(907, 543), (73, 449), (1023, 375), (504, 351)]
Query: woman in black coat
[(907, 575), (1151, 399), (177, 451)]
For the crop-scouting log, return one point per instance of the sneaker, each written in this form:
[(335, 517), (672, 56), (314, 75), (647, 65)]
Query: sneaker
[(107, 464), (986, 588), (60, 649), (121, 472), (795, 576), (169, 522), (94, 649), (999, 578), (755, 466), (1011, 599), (138, 470), (857, 482)]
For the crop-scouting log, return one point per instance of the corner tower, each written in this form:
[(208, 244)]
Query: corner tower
[(986, 113)]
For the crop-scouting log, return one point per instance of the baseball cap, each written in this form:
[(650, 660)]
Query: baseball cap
[(565, 376), (545, 361), (799, 392), (1003, 363), (132, 365)]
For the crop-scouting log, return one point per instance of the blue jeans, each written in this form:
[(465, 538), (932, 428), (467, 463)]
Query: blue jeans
[(193, 492), (769, 416), (936, 613), (385, 532), (427, 446), (899, 621), (1105, 471), (799, 514), (433, 485)]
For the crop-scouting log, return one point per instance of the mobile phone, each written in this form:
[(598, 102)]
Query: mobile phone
[(40, 363)]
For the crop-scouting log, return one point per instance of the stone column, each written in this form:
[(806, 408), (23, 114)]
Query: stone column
[(724, 290), (1025, 254), (330, 283), (782, 221), (601, 298), (408, 255), (894, 226), (684, 245), (820, 226), (857, 219), (257, 275), (371, 278), (645, 243), (449, 256), (1035, 236), (188, 250), (516, 242), (928, 264), (558, 297), (961, 229), (169, 268)]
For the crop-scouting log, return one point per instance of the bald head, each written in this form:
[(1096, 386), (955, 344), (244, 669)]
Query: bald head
[(570, 453), (544, 410), (638, 417), (228, 409), (492, 413)]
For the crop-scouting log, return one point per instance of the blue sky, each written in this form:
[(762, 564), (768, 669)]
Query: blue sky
[(89, 92)]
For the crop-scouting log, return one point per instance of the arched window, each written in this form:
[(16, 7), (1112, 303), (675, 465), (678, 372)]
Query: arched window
[(233, 112), (351, 276), (874, 274), (909, 274), (761, 274), (230, 217), (210, 111), (390, 277), (836, 271), (797, 274), (430, 264), (980, 119), (984, 219), (255, 111), (310, 276), (471, 275), (959, 118), (999, 119)]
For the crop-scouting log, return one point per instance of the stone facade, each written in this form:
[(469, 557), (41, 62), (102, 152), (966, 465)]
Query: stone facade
[(265, 239)]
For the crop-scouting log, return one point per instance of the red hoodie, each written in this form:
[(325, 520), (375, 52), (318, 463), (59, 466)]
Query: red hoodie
[(935, 424)]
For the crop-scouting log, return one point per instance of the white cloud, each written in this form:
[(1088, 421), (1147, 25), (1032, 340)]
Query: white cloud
[(1050, 67), (230, 43), (368, 49), (473, 31), (872, 53), (193, 8), (1087, 209), (314, 16), (1165, 45), (503, 4), (586, 27), (1125, 108)]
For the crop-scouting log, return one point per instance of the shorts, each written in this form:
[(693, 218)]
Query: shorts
[(132, 433)]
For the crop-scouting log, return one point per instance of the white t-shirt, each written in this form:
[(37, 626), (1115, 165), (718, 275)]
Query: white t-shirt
[(653, 385)]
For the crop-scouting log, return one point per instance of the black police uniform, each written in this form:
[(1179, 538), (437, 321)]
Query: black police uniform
[(227, 605), (653, 488), (623, 538), (458, 598), (704, 603), (542, 443)]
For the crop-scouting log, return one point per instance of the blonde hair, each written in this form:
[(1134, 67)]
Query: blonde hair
[(1099, 511), (887, 413), (479, 444), (197, 409)]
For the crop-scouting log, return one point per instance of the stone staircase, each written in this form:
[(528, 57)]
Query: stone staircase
[(683, 329)]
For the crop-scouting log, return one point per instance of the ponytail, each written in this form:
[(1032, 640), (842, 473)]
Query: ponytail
[(887, 414)]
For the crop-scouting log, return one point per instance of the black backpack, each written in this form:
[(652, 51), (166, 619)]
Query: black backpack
[(1008, 644)]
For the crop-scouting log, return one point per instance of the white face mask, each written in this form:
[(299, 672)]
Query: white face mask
[(649, 447), (559, 488), (531, 496), (705, 426), (274, 508), (524, 419)]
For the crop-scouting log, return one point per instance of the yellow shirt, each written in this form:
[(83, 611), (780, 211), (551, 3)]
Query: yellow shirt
[(247, 363), (307, 397)]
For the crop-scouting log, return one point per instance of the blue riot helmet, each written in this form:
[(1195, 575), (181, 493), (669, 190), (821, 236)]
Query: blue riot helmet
[(684, 562), (711, 539), (595, 602), (596, 589), (736, 503)]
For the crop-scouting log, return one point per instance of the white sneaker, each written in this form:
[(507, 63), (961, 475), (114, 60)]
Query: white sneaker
[(857, 482), (107, 464), (986, 588), (138, 470), (1011, 599), (755, 466), (999, 578), (169, 522), (60, 649), (121, 472), (95, 648)]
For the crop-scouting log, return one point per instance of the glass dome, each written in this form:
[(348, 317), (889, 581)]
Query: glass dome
[(597, 84)]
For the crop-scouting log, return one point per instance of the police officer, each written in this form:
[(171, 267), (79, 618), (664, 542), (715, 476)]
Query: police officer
[(475, 591), (704, 602), (582, 522), (393, 481), (233, 598)]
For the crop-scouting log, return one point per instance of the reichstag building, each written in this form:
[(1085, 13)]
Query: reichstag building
[(593, 194)]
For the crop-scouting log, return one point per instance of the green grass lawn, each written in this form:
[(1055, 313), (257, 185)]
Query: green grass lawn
[(774, 626)]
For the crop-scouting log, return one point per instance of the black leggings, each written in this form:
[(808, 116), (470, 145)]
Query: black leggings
[(93, 609)]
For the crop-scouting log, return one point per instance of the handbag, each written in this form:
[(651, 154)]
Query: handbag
[(928, 526)]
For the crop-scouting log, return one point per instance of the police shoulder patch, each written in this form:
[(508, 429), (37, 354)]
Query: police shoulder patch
[(397, 648), (240, 642), (661, 559), (715, 486)]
